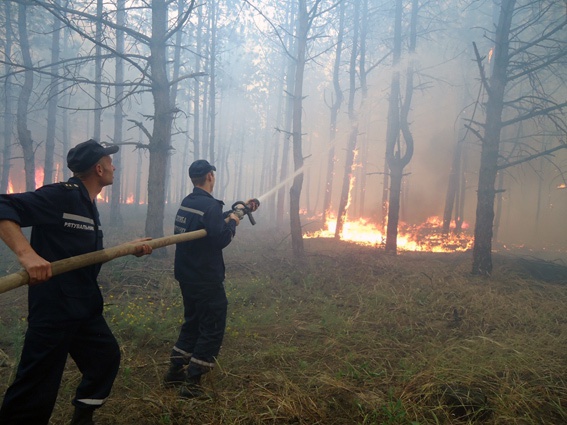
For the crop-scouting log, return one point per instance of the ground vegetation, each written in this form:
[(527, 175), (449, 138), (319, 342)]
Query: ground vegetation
[(350, 335)]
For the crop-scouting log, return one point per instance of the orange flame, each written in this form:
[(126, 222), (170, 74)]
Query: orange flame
[(39, 173), (10, 186), (427, 237), (562, 186), (130, 199)]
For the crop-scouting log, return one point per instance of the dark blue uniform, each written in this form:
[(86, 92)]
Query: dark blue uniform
[(65, 312), (200, 270)]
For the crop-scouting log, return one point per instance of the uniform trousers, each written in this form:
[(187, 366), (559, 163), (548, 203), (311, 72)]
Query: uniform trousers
[(90, 343), (200, 339)]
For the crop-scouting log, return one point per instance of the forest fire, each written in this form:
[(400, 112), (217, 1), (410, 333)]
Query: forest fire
[(426, 237), (39, 173)]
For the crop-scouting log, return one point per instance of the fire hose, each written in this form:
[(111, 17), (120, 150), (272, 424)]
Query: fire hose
[(15, 280)]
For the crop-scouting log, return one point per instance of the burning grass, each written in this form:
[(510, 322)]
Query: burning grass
[(348, 335), (425, 237)]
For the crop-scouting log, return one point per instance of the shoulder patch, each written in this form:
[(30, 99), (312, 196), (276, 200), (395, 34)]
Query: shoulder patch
[(69, 186)]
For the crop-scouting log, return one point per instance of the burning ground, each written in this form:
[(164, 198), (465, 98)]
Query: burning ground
[(346, 335)]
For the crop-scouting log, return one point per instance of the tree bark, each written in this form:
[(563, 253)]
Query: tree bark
[(160, 142), (348, 175), (295, 191), (52, 102), (24, 134), (335, 108), (118, 118), (8, 104), (287, 126), (98, 73), (483, 231), (398, 125)]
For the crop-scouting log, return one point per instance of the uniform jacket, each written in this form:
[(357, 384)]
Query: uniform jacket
[(201, 260), (65, 222)]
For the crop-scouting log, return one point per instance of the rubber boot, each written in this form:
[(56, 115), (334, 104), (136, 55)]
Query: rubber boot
[(192, 387), (175, 376), (82, 416)]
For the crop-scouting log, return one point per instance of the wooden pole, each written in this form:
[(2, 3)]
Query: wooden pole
[(21, 278)]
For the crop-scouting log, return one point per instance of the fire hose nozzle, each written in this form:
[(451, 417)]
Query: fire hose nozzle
[(241, 209)]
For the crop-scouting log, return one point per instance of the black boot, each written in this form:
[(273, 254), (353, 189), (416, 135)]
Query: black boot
[(82, 416), (175, 376), (191, 387)]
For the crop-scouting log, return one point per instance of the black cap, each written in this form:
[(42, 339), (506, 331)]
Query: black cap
[(200, 168), (86, 154)]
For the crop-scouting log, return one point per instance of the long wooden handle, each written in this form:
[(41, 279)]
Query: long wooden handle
[(22, 277)]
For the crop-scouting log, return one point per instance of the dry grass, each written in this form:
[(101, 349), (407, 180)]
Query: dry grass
[(349, 335)]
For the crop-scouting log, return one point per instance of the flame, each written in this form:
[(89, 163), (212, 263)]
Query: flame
[(562, 186), (39, 173), (101, 197), (10, 186), (426, 237), (490, 53), (130, 199)]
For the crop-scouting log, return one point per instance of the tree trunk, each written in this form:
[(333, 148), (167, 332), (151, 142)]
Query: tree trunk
[(452, 187), (52, 101), (98, 73), (8, 112), (290, 83), (363, 115), (196, 90), (295, 191), (483, 231), (335, 107), (397, 157), (212, 79), (24, 134), (396, 176), (160, 142), (118, 119), (348, 175)]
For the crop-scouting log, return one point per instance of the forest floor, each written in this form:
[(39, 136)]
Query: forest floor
[(347, 335)]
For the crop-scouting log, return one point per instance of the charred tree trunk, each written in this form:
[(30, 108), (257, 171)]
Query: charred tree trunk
[(290, 83), (24, 134), (353, 134), (197, 89), (295, 191), (160, 142), (483, 231), (335, 108), (212, 80), (452, 187), (52, 102), (98, 73), (397, 156), (363, 151), (118, 118), (8, 112)]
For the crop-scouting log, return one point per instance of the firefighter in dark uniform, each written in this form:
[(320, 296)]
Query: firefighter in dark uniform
[(65, 311), (200, 270)]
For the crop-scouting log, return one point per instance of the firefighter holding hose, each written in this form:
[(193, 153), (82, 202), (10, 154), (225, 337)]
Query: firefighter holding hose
[(65, 310), (200, 270)]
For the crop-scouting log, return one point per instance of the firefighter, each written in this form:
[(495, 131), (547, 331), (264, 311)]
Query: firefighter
[(199, 268), (65, 311)]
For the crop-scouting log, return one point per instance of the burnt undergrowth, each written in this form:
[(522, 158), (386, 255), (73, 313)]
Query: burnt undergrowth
[(344, 335)]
